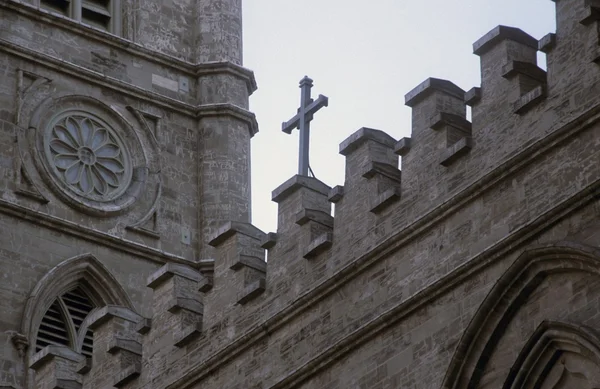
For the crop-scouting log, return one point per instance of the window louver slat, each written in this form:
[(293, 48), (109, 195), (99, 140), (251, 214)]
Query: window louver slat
[(54, 329)]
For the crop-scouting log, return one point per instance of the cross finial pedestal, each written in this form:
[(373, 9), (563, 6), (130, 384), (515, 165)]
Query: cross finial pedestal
[(302, 120)]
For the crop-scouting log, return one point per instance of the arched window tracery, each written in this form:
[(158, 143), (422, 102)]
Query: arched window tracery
[(62, 322)]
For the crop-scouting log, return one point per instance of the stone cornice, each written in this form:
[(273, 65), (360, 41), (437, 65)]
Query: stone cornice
[(102, 238), (135, 49), (393, 244), (131, 90)]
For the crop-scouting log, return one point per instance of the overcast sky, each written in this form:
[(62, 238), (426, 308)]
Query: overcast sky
[(365, 56)]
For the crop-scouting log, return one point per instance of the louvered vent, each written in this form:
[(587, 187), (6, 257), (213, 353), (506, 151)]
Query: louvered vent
[(79, 306), (54, 328)]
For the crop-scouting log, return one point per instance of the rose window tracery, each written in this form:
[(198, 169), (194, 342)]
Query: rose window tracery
[(87, 156)]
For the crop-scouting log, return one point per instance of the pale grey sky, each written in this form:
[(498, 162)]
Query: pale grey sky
[(365, 56)]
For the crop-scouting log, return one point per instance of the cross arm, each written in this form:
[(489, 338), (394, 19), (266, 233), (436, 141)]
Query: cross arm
[(314, 106)]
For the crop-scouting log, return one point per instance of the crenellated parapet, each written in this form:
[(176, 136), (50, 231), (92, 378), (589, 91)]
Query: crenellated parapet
[(372, 175), (177, 305), (240, 267), (57, 367), (511, 80), (117, 347)]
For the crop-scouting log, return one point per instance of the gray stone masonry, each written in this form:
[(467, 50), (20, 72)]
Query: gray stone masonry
[(476, 266)]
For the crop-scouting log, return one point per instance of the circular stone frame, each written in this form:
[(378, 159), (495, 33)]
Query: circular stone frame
[(75, 142), (131, 184)]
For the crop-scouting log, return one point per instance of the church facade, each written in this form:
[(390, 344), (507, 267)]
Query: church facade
[(127, 257)]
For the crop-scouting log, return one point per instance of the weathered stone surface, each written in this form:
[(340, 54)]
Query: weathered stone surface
[(476, 266)]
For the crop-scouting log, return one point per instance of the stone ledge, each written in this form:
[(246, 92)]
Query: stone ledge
[(188, 335), (502, 33), (363, 135), (385, 199), (186, 304), (253, 290), (592, 12), (84, 366), (473, 96), (227, 109), (205, 284), (251, 262), (448, 119), (319, 245), (457, 150), (403, 146), (170, 270), (127, 375), (312, 215), (513, 68), (120, 344), (336, 194), (547, 43), (231, 228), (296, 183), (429, 86), (108, 312), (226, 67), (384, 169), (529, 100), (269, 241), (48, 353), (66, 384), (144, 326)]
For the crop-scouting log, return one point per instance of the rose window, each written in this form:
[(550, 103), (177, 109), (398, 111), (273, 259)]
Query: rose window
[(87, 156)]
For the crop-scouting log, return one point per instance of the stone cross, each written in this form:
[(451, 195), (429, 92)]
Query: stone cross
[(301, 121)]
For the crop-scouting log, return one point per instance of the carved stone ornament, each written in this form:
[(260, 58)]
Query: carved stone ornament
[(87, 156), (97, 158)]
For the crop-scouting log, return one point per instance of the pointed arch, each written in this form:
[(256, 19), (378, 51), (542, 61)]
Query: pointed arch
[(542, 352), (502, 303), (83, 271)]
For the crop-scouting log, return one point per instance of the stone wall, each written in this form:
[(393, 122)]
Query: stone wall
[(476, 265)]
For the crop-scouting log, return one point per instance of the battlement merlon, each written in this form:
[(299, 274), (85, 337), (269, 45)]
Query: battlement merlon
[(117, 345), (439, 126), (56, 367), (511, 81), (240, 267)]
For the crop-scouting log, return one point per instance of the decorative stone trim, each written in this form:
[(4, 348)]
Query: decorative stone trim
[(269, 241), (529, 100), (252, 291), (361, 136), (186, 304), (322, 243), (336, 194), (473, 96), (119, 344), (403, 146), (457, 150), (231, 228), (429, 86), (250, 262), (127, 375), (312, 215), (144, 326), (385, 199), (384, 169), (168, 271), (296, 183), (189, 334), (547, 43)]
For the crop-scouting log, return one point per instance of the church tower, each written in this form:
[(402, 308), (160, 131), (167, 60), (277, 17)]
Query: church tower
[(124, 145)]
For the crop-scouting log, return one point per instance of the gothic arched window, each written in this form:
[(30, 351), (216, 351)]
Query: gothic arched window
[(61, 325)]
